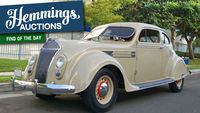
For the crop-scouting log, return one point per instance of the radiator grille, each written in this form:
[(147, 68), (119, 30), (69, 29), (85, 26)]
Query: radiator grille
[(46, 55)]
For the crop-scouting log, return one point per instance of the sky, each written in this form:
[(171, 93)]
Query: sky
[(14, 2)]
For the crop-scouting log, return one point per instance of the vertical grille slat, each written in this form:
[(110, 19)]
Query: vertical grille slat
[(46, 55)]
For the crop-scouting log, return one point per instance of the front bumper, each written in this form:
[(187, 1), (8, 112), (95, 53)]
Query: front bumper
[(42, 88)]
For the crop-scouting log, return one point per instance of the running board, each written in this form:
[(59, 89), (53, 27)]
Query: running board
[(154, 83)]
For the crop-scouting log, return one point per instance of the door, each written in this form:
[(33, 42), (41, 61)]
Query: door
[(149, 56), (167, 53)]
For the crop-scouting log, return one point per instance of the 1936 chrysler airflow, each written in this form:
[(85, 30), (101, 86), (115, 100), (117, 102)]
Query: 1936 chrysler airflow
[(132, 56)]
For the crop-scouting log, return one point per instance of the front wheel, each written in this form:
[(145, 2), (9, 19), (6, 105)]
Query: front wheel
[(102, 92), (176, 86)]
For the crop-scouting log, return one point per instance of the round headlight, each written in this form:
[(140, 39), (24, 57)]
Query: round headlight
[(60, 61), (32, 60)]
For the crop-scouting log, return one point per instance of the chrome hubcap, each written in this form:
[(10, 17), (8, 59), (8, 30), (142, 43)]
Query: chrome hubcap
[(104, 89)]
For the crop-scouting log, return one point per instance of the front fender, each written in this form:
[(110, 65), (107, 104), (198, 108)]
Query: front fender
[(86, 67)]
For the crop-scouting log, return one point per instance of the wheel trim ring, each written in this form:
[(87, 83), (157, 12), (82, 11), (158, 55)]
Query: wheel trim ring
[(179, 83)]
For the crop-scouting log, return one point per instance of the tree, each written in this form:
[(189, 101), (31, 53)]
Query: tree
[(168, 14), (153, 12), (197, 42), (190, 23), (101, 12)]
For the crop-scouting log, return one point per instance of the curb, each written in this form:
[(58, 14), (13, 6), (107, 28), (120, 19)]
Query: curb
[(195, 71), (8, 73), (3, 84)]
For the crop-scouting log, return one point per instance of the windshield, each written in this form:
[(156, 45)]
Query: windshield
[(112, 33), (94, 33)]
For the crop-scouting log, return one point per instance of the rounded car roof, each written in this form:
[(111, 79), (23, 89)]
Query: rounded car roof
[(129, 24)]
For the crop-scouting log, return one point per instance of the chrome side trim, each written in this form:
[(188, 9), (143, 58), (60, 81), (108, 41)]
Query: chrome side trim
[(154, 83), (121, 54)]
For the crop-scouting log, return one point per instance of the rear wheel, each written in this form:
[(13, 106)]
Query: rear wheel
[(176, 86), (45, 97), (102, 92)]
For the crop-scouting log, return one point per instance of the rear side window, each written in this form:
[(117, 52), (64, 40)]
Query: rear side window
[(165, 38), (150, 36)]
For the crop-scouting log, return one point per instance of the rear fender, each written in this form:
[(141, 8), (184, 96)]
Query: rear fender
[(179, 69)]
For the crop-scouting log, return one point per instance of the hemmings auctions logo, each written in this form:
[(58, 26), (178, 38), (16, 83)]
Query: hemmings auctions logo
[(17, 18), (46, 17)]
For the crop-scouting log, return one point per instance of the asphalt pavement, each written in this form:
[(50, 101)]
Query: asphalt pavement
[(154, 100)]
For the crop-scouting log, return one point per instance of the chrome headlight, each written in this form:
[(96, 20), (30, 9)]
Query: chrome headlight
[(60, 62), (31, 63)]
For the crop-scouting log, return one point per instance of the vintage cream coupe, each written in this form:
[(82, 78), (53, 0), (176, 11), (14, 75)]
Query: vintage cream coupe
[(132, 56)]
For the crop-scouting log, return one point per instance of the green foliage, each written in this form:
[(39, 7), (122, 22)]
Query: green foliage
[(105, 11), (102, 12), (152, 12), (197, 42), (194, 64), (168, 14), (189, 23), (183, 54), (165, 13), (6, 79), (9, 65), (193, 67)]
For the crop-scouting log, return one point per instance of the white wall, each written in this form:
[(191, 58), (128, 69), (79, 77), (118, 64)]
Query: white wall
[(181, 47), (197, 50), (67, 35)]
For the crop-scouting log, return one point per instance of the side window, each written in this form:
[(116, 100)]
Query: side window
[(142, 37), (165, 38), (148, 35)]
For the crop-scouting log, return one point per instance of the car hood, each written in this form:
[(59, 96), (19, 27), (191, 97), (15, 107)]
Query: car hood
[(73, 47)]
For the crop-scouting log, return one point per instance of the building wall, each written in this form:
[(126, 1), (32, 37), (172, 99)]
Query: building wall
[(197, 50), (67, 35), (181, 47), (19, 51)]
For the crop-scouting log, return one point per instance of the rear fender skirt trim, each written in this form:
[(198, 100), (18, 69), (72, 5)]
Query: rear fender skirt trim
[(154, 83)]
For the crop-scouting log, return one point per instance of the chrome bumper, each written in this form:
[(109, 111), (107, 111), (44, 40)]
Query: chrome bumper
[(41, 88)]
